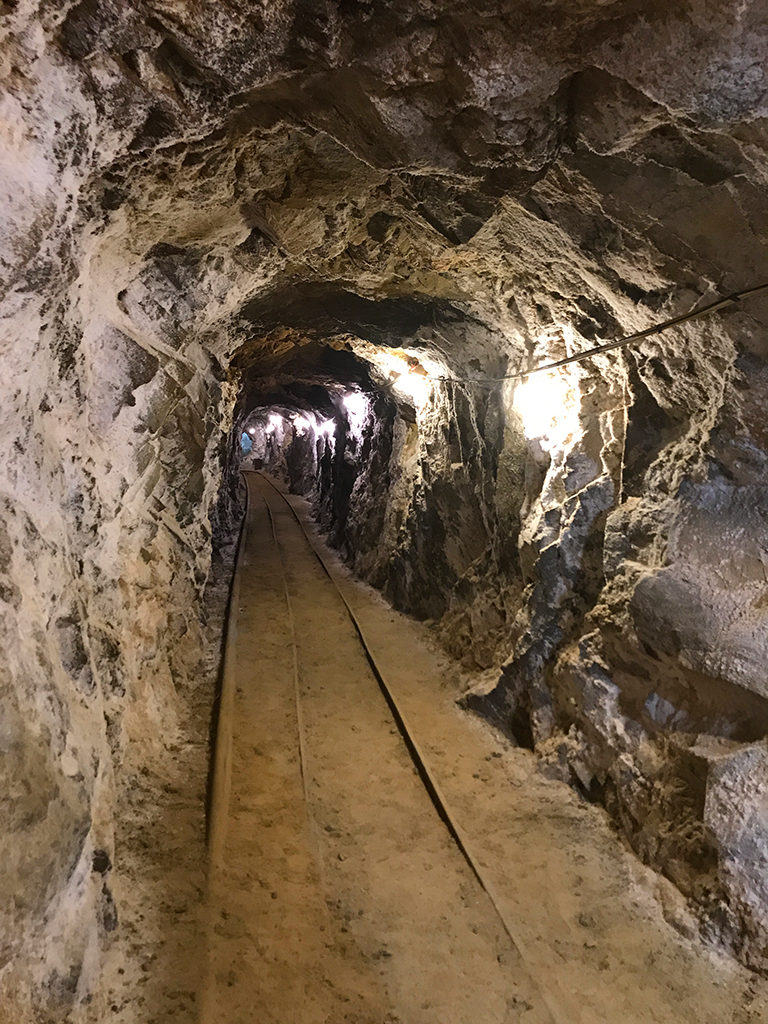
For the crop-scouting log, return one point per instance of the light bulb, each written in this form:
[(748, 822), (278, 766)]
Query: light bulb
[(546, 405), (415, 385), (355, 403)]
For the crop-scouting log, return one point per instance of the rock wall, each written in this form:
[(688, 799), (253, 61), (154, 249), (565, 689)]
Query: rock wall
[(196, 198)]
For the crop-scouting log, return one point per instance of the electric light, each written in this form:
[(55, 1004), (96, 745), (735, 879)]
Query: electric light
[(415, 385), (355, 403), (275, 421), (547, 405), (251, 431)]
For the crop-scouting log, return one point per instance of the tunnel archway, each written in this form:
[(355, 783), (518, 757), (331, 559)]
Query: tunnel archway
[(382, 403)]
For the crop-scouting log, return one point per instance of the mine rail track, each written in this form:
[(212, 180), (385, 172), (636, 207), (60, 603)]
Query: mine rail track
[(458, 834), (335, 894)]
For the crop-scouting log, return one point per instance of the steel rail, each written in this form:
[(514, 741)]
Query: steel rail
[(220, 772), (219, 788), (295, 652)]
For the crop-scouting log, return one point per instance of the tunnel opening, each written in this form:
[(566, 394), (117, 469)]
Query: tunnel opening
[(368, 431), (464, 495)]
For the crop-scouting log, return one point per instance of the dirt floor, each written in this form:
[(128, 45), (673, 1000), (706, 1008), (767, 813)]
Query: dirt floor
[(336, 894)]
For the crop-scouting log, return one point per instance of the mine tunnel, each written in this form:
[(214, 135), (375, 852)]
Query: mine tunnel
[(383, 517)]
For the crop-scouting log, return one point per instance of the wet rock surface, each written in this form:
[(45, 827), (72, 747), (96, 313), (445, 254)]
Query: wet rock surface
[(207, 208)]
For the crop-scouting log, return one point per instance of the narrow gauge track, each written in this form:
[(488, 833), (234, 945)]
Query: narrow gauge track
[(460, 836), (341, 886), (374, 859)]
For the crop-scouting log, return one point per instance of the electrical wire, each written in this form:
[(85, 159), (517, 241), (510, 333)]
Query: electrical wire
[(728, 300)]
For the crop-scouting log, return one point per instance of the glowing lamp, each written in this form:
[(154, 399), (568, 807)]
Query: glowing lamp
[(545, 404), (275, 421), (415, 386), (355, 403)]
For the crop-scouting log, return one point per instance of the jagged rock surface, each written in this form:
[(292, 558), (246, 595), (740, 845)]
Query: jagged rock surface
[(196, 193)]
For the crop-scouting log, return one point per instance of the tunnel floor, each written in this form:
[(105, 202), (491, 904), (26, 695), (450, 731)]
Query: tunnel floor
[(338, 894)]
